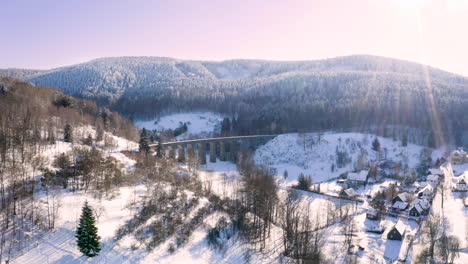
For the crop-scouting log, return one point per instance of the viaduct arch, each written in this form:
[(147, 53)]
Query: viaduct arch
[(224, 148)]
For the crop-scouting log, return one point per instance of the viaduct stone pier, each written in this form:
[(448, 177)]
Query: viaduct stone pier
[(222, 148)]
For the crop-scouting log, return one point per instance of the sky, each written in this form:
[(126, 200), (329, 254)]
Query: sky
[(52, 33)]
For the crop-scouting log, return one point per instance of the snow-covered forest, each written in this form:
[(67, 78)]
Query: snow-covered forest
[(354, 92)]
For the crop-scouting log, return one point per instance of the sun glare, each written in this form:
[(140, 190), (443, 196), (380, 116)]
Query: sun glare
[(411, 4)]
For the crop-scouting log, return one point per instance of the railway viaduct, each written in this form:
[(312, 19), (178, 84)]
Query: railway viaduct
[(224, 148)]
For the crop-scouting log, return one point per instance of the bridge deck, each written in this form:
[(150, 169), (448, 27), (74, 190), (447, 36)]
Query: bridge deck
[(192, 141)]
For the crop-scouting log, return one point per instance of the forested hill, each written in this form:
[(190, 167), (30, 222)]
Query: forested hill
[(35, 115), (269, 96)]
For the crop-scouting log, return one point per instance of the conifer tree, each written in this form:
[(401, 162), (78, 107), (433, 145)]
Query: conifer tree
[(68, 133), (86, 233), (376, 145), (159, 149), (144, 142)]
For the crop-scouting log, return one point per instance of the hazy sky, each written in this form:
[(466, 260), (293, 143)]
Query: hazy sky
[(50, 33)]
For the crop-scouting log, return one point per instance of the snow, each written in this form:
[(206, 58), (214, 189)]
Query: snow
[(60, 246), (283, 152), (297, 154), (198, 123), (361, 176)]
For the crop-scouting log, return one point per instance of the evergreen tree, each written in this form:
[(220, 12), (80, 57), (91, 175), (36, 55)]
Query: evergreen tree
[(159, 148), (304, 182), (144, 142), (376, 145), (68, 133), (86, 233)]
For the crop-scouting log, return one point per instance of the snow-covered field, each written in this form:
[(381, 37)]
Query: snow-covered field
[(202, 123), (307, 154)]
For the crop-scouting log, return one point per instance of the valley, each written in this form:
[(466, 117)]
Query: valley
[(339, 221)]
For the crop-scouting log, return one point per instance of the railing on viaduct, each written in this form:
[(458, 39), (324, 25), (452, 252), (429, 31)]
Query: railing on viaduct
[(224, 148)]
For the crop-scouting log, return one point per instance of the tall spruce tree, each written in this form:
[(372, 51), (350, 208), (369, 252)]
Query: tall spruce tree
[(86, 233), (68, 133), (144, 142)]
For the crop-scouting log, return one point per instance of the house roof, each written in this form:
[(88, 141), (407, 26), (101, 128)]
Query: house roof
[(360, 176), (460, 179), (350, 192), (428, 189), (404, 196), (436, 171), (400, 227), (400, 205), (420, 205)]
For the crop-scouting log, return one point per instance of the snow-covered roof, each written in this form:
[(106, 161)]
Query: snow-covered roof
[(360, 176), (404, 196), (460, 179), (400, 227), (421, 204), (436, 171), (350, 192), (400, 205), (428, 189), (459, 153)]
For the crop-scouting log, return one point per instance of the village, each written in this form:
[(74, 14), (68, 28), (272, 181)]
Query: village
[(395, 209)]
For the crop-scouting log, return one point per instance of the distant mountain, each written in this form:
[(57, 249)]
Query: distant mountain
[(341, 92), (20, 73)]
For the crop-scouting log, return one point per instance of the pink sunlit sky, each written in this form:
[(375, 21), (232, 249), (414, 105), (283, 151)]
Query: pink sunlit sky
[(47, 33)]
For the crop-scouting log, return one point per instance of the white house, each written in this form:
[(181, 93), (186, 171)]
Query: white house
[(426, 192), (459, 184)]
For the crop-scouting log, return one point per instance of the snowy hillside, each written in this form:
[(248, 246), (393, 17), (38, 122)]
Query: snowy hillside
[(199, 124), (315, 156)]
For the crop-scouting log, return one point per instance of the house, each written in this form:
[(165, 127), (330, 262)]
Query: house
[(399, 206), (433, 179), (419, 207), (372, 214), (426, 192), (459, 184), (402, 197), (376, 227), (358, 178), (459, 157), (348, 193), (397, 232)]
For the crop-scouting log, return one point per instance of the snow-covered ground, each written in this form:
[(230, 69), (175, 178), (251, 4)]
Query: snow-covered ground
[(202, 123), (296, 153), (285, 152)]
